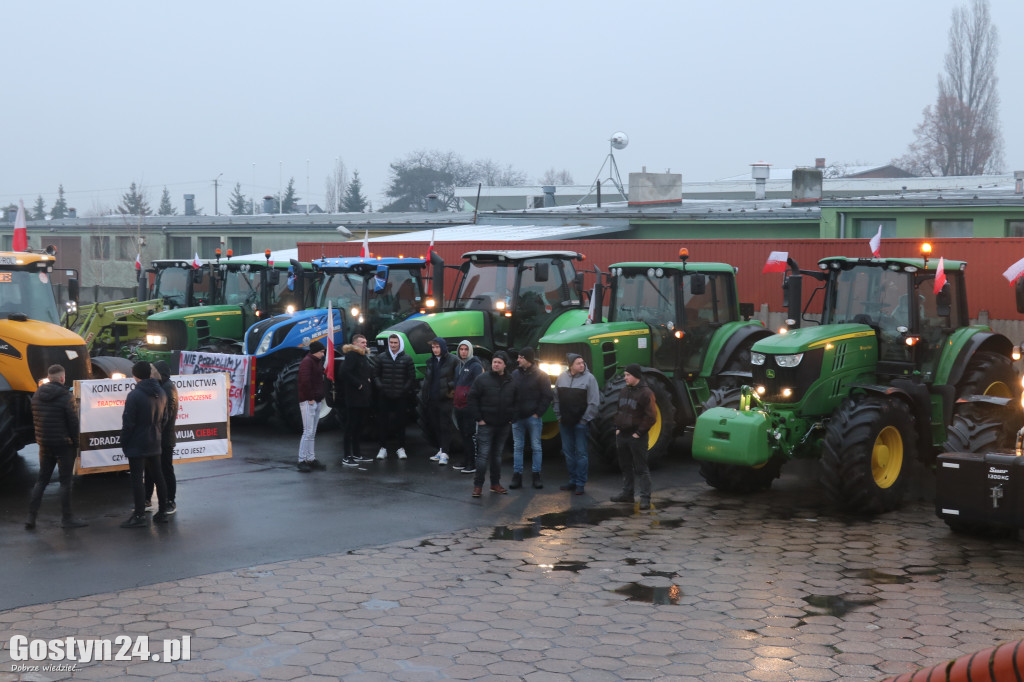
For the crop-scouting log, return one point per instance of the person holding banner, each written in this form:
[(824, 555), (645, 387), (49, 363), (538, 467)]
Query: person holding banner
[(141, 431), (56, 423), (311, 394)]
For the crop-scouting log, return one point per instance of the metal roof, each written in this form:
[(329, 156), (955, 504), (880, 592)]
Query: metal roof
[(521, 255), (512, 233)]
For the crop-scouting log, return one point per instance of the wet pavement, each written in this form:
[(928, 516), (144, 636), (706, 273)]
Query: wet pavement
[(704, 587)]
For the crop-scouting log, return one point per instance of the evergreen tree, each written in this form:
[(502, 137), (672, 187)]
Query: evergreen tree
[(354, 201), (39, 210), (60, 207), (165, 204), (133, 202), (290, 199), (238, 204)]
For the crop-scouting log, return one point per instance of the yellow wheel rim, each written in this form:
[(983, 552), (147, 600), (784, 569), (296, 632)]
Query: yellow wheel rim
[(998, 389), (549, 430), (655, 433), (887, 457)]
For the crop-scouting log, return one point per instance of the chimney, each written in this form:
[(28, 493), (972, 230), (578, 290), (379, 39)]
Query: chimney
[(433, 203), (190, 204), (1018, 177), (11, 215), (268, 204), (549, 195), (820, 162), (760, 171), (807, 186), (72, 212)]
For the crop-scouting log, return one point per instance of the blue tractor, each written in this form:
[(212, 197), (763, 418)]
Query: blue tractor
[(365, 295)]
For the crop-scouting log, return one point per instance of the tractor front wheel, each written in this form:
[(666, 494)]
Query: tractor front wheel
[(991, 374), (869, 445), (286, 401), (733, 478), (967, 435)]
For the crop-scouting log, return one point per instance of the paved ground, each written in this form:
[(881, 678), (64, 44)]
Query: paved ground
[(705, 587)]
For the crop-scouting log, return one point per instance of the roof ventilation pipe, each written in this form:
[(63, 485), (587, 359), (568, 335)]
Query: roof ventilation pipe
[(549, 195), (760, 171), (433, 203), (190, 204), (1018, 177)]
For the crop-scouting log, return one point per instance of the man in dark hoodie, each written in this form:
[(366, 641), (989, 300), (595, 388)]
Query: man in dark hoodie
[(492, 402), (468, 369), (577, 399), (356, 378), (534, 398), (168, 437), (436, 396), (56, 424), (141, 432), (635, 417), (393, 378)]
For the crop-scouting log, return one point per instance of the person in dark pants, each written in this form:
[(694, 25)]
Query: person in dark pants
[(56, 423), (635, 416), (393, 378), (534, 395), (356, 377), (141, 432), (492, 402), (168, 438), (468, 370), (436, 399), (311, 393), (577, 399)]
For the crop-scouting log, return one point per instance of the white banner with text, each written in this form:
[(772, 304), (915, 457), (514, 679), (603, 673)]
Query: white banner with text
[(238, 367)]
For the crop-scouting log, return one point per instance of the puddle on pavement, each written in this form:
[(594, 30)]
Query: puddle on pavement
[(651, 595), (660, 574), (835, 605), (573, 566), (878, 577), (583, 516)]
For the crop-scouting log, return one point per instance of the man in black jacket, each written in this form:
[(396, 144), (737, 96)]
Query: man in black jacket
[(534, 398), (141, 441), (393, 379), (436, 399), (56, 424), (492, 402), (168, 437), (356, 379)]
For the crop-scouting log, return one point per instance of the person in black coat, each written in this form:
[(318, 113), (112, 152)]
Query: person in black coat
[(141, 441), (168, 438), (393, 378), (493, 403), (56, 423), (436, 399), (356, 378), (534, 397)]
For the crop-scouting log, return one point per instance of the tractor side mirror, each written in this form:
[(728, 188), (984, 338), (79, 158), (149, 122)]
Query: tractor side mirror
[(273, 277), (579, 284), (792, 292), (1019, 287), (541, 272), (73, 292), (943, 301), (197, 276), (697, 285)]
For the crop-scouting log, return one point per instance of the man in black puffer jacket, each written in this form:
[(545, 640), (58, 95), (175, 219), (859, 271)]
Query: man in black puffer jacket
[(436, 397), (168, 438), (492, 402), (393, 378), (56, 424), (141, 440)]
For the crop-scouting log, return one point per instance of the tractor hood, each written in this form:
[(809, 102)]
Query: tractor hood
[(36, 333), (594, 333), (810, 338), (452, 326), (196, 312)]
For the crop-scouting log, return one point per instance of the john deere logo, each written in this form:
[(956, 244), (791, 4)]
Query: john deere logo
[(770, 373)]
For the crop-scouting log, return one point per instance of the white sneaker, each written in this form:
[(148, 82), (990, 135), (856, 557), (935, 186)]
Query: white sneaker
[(437, 456), (151, 504), (401, 453), (442, 459), (382, 453)]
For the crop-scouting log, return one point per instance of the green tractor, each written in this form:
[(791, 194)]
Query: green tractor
[(682, 322), (230, 296), (869, 390)]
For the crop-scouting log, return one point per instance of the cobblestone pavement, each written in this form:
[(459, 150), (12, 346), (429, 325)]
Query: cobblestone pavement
[(705, 587)]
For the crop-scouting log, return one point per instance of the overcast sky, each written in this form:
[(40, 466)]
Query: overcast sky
[(100, 94)]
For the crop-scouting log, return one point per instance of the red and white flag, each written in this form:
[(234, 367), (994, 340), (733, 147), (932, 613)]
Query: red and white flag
[(195, 261), (138, 262), (430, 250), (876, 243), (593, 305), (365, 253), (1014, 272), (329, 355), (20, 242), (776, 262), (940, 276)]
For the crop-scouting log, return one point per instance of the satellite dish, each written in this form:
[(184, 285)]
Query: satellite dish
[(620, 140)]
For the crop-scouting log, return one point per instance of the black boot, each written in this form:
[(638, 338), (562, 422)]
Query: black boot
[(624, 496), (536, 480), (136, 521), (517, 481), (72, 522), (30, 521)]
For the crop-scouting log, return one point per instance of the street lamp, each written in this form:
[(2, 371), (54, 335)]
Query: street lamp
[(215, 185)]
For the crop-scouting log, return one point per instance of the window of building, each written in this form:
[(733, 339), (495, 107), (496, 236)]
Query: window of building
[(866, 228), (100, 248), (180, 247), (7, 242), (240, 245), (950, 228), (1015, 228), (208, 247), (126, 248)]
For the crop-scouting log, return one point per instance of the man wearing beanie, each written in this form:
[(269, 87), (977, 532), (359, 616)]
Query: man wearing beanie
[(534, 397), (311, 394), (492, 404), (141, 435), (635, 416)]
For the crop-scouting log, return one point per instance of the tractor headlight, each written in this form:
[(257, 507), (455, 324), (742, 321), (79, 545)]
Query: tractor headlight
[(499, 305), (757, 359), (290, 309), (430, 303), (788, 360), (355, 311), (265, 343), (156, 339), (552, 369)]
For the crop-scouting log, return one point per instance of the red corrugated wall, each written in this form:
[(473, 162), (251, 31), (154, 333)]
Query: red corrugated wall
[(986, 258)]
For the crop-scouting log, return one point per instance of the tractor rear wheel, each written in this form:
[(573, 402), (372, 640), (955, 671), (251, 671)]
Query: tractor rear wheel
[(10, 442), (739, 362), (602, 430), (733, 478), (286, 401), (869, 445), (967, 435)]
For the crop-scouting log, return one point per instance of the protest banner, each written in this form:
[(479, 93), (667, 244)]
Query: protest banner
[(239, 367)]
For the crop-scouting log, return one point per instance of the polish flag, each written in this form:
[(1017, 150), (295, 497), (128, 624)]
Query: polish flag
[(776, 262), (1014, 272), (365, 253), (430, 250), (138, 263), (20, 242), (329, 355), (195, 261), (876, 243), (940, 277)]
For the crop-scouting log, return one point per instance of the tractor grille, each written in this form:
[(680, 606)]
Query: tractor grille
[(796, 379), (255, 333), (174, 330), (41, 357), (556, 353)]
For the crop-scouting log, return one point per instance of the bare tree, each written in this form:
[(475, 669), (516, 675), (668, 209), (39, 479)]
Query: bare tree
[(493, 174), (335, 186), (960, 134), (557, 177)]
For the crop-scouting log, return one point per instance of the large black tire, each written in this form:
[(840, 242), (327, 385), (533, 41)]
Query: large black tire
[(870, 443), (967, 435), (106, 366), (739, 362), (991, 374), (733, 478), (286, 401), (10, 442), (602, 431)]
